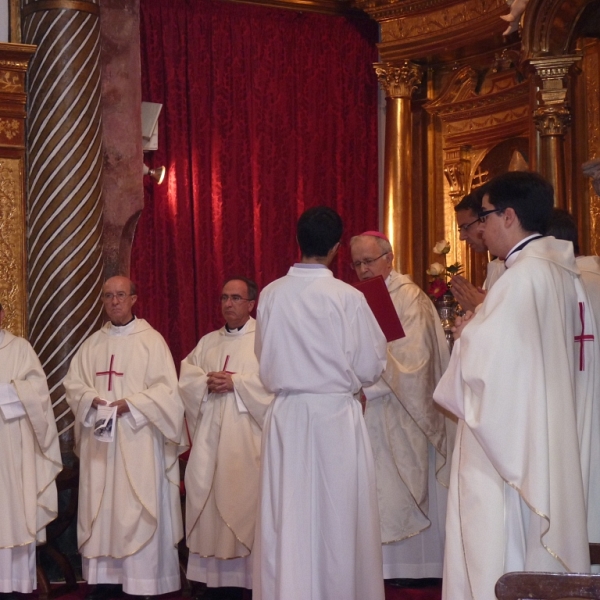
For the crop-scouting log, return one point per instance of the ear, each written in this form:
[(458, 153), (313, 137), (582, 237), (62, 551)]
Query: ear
[(334, 250), (133, 299), (510, 217)]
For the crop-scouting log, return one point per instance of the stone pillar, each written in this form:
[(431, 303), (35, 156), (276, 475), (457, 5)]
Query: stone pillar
[(552, 118), (123, 190), (399, 82), (64, 141)]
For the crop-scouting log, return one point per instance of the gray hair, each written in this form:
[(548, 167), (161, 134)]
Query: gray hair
[(383, 244)]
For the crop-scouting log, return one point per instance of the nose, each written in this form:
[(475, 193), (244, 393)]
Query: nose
[(462, 235)]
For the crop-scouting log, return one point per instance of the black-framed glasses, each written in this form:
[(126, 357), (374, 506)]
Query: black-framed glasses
[(367, 262), (465, 226), (483, 215), (235, 298)]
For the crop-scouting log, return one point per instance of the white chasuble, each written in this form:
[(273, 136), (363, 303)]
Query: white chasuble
[(517, 497), (590, 325), (318, 532), (30, 462), (409, 437), (129, 520), (222, 473)]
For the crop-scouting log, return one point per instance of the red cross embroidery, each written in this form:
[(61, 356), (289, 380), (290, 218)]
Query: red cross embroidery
[(110, 372), (583, 337)]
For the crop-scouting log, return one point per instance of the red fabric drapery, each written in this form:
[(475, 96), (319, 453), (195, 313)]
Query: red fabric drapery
[(266, 113)]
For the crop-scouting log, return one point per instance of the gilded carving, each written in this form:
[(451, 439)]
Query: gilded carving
[(398, 81), (12, 244), (10, 82), (457, 15), (486, 121), (552, 120), (9, 128), (457, 167)]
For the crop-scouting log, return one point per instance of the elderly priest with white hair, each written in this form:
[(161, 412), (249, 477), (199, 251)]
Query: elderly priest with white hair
[(129, 520), (410, 436)]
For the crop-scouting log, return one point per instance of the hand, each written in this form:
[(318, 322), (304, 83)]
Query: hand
[(220, 382), (460, 323), (122, 406), (466, 293), (96, 402)]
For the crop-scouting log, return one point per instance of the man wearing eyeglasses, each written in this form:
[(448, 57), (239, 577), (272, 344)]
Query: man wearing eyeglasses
[(30, 463), (467, 220), (129, 521), (225, 408), (407, 430), (518, 381)]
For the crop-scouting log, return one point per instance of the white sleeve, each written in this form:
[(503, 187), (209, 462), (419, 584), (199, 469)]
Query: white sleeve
[(10, 404), (135, 418), (378, 389)]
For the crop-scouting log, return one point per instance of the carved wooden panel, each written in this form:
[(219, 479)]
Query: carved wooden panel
[(14, 59)]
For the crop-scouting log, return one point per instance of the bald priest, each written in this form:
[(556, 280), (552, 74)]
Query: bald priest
[(129, 520)]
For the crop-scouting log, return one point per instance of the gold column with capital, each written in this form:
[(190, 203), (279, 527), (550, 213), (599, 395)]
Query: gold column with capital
[(552, 119), (398, 81)]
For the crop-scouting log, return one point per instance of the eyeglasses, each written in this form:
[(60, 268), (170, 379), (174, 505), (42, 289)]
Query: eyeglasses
[(367, 262), (120, 296), (235, 298), (465, 226), (483, 215)]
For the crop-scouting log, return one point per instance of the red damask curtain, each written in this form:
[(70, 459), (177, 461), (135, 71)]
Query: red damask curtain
[(266, 113)]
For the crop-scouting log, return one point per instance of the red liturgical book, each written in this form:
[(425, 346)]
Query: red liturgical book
[(380, 302)]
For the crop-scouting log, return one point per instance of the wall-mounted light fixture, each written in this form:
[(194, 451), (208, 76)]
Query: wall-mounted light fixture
[(157, 174)]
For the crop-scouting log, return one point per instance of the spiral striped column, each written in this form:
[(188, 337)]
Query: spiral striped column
[(64, 143)]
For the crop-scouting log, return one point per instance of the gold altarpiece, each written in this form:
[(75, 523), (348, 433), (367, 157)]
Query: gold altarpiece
[(14, 60), (485, 104)]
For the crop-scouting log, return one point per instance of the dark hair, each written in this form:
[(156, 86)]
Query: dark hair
[(251, 285), (528, 194), (1, 307), (472, 201), (319, 229), (563, 227)]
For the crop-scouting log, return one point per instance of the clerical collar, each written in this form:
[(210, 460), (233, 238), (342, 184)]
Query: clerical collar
[(125, 329), (230, 330), (511, 257), (309, 266)]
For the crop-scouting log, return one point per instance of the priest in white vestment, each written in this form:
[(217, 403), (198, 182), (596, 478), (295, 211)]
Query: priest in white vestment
[(517, 497), (129, 521), (317, 341), (410, 436), (225, 404), (30, 462), (467, 220), (563, 226)]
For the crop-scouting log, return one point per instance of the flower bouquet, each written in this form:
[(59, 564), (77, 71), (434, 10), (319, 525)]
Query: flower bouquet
[(441, 273)]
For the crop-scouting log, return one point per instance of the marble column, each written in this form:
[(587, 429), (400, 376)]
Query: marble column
[(552, 118), (64, 141), (123, 190), (399, 81)]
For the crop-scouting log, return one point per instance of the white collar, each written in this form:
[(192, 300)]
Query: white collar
[(513, 254), (121, 330)]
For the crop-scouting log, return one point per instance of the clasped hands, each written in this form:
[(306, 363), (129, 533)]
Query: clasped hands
[(460, 323), (466, 293), (220, 382)]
